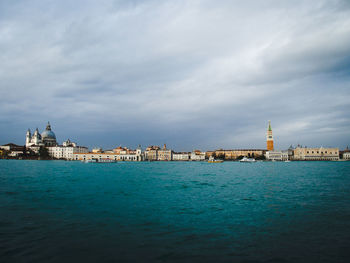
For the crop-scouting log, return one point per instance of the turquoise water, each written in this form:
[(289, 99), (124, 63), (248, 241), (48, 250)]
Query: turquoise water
[(56, 211)]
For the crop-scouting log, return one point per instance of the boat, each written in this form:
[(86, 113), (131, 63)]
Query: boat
[(90, 161), (247, 160), (287, 161), (213, 160), (106, 161), (99, 161)]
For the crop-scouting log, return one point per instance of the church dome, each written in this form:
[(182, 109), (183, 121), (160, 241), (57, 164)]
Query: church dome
[(48, 134)]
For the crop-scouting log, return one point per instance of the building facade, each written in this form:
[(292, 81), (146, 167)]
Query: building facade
[(277, 155), (316, 154), (66, 152), (12, 149), (151, 153), (274, 155), (197, 155), (134, 156), (182, 156), (235, 154), (346, 155), (164, 154)]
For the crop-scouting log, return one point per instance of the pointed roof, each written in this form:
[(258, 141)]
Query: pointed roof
[(48, 126), (269, 128)]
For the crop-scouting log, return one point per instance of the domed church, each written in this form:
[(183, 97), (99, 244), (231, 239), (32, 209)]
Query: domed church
[(46, 138)]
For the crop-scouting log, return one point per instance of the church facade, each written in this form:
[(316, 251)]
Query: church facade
[(47, 138)]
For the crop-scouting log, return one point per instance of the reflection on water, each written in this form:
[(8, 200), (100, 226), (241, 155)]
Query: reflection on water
[(174, 212)]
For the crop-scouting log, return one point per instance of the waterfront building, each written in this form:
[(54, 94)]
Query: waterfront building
[(208, 154), (66, 150), (13, 150), (346, 155), (197, 155), (290, 152), (46, 138), (236, 154), (151, 153), (285, 155), (277, 155), (319, 154), (164, 154), (269, 138), (274, 155), (181, 156), (132, 156), (11, 147)]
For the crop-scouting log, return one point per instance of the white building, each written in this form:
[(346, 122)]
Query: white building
[(277, 155), (285, 155), (274, 155), (66, 152), (134, 156), (183, 156), (197, 155), (346, 156)]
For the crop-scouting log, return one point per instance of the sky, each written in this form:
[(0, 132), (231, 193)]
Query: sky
[(194, 74)]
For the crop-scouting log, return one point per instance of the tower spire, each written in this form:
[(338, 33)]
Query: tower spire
[(48, 126)]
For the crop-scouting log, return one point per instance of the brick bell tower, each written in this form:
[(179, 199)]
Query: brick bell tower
[(269, 138)]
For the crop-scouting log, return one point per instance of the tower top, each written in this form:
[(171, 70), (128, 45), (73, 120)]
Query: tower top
[(48, 126), (269, 128)]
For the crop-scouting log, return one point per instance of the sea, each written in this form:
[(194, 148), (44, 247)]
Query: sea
[(66, 211)]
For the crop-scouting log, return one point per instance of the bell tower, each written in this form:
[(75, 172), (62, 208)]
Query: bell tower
[(269, 138), (28, 138)]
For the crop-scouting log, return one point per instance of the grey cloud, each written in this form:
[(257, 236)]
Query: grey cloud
[(192, 74)]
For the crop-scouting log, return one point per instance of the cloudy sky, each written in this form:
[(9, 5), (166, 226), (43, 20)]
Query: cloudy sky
[(192, 74)]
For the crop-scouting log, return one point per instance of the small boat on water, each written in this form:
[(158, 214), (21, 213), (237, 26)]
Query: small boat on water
[(99, 161), (106, 161), (213, 160), (287, 161), (247, 160), (90, 161)]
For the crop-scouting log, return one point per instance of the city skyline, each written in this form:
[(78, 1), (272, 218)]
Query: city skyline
[(32, 138), (192, 75)]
